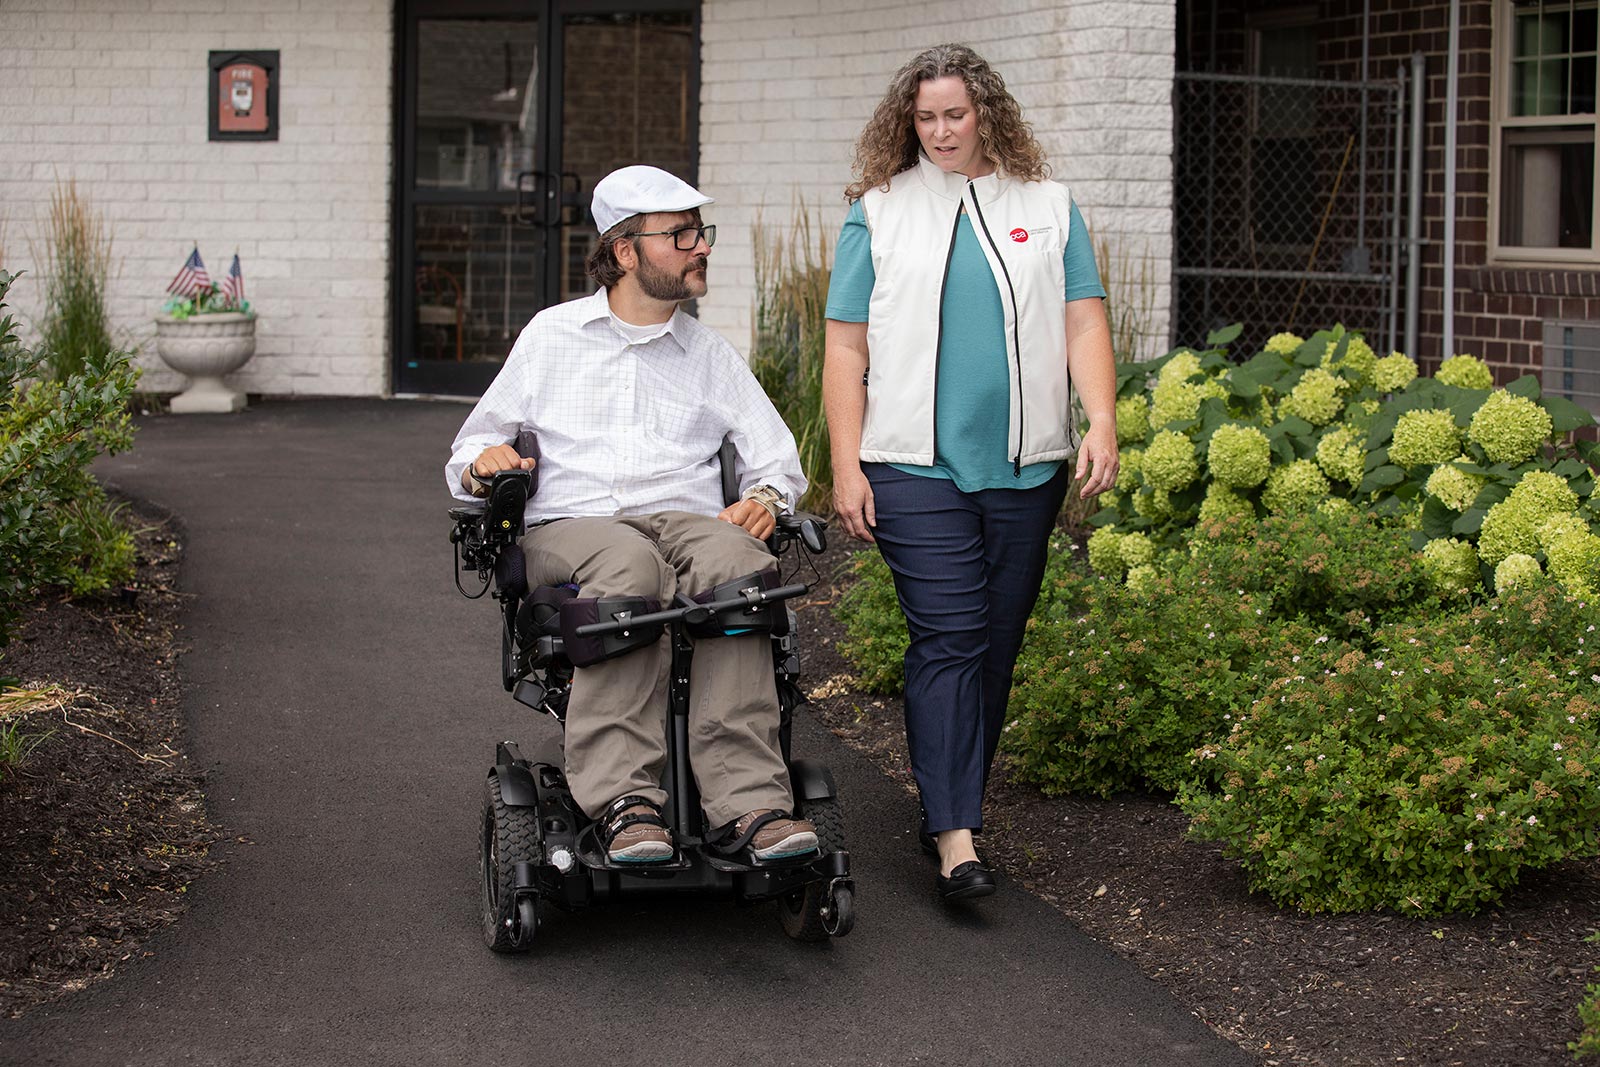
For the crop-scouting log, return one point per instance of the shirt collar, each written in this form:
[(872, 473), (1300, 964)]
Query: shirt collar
[(952, 185), (596, 307)]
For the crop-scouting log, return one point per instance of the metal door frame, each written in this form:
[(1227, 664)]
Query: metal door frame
[(547, 149)]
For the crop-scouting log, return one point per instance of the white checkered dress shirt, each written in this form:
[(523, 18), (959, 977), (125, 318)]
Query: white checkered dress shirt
[(628, 429)]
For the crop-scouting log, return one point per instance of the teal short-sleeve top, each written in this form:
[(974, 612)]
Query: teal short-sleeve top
[(974, 376)]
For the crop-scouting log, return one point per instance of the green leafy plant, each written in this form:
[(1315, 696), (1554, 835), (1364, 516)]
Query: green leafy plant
[(875, 639), (791, 301), (1422, 773), (56, 526), (1588, 1042), (209, 301), (75, 327)]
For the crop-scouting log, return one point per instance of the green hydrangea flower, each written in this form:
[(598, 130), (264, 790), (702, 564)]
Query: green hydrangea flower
[(1558, 525), (1509, 528), (1357, 364), (1173, 402), (1223, 503), (1155, 505), (1128, 470), (1169, 462), (1315, 398), (1239, 456), (1454, 487), (1133, 419), (1509, 428), (1143, 579), (1516, 571), (1294, 489), (1574, 559), (1465, 372), (1342, 454), (1136, 548), (1423, 438), (1393, 372), (1105, 552), (1215, 389), (1183, 365), (1336, 507), (1451, 565), (1285, 344), (1543, 493)]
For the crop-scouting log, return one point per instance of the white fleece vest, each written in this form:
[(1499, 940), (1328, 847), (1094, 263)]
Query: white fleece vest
[(1022, 228)]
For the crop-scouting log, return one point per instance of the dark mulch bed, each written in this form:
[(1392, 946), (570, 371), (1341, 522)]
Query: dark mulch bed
[(105, 826), (1499, 988)]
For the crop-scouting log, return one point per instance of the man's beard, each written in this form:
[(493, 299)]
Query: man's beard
[(659, 284)]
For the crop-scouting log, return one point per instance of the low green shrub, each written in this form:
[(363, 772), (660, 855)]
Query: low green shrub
[(1422, 773), (56, 527), (875, 631), (1588, 1042), (1119, 683)]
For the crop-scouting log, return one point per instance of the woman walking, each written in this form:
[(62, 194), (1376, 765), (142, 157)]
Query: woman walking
[(964, 312)]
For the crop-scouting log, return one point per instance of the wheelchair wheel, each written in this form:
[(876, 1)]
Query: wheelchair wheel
[(508, 835), (819, 911)]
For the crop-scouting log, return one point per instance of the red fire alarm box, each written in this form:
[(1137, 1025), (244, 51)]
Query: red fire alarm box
[(244, 96)]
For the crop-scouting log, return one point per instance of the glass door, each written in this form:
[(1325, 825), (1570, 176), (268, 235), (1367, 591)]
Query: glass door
[(509, 112)]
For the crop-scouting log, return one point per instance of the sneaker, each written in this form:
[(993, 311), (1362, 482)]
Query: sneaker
[(637, 835), (779, 837)]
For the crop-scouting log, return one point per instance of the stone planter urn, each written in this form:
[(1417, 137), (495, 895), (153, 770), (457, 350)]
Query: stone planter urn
[(205, 348)]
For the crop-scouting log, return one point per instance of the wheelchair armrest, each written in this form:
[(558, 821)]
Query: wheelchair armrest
[(466, 512)]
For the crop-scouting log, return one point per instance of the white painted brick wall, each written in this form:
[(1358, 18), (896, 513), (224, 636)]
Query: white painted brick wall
[(788, 84), (112, 93)]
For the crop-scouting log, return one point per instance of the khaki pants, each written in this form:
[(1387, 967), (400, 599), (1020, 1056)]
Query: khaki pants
[(616, 718)]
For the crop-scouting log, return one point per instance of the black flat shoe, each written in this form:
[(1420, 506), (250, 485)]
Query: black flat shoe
[(969, 879)]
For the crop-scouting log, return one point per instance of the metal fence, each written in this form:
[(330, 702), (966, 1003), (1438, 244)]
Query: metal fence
[(1288, 198)]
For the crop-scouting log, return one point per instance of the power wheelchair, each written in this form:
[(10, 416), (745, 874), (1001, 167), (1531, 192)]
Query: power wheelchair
[(536, 846)]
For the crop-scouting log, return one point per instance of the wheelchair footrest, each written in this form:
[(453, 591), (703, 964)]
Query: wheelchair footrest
[(591, 855)]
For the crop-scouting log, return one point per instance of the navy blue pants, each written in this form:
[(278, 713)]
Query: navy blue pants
[(967, 568)]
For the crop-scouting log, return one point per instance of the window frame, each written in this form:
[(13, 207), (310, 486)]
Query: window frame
[(1502, 37)]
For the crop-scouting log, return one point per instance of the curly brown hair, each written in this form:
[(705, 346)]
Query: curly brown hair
[(889, 145)]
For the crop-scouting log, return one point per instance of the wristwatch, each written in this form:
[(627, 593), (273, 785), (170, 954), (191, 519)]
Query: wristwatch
[(768, 497)]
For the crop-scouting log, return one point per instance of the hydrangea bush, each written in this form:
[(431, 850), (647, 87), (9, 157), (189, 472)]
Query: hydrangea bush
[(1311, 420)]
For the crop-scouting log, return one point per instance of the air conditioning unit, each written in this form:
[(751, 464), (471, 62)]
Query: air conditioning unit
[(1572, 362)]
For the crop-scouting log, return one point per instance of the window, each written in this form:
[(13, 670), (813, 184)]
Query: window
[(1284, 136), (1572, 362), (1545, 129)]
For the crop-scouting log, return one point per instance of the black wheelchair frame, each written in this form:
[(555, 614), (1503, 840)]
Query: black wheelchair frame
[(537, 847)]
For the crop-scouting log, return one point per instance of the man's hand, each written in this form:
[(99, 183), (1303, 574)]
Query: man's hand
[(756, 520), (1097, 457), (491, 460)]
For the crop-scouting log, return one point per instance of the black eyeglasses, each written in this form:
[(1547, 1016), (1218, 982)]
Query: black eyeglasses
[(685, 239)]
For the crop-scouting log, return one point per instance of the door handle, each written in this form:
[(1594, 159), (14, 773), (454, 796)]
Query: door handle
[(531, 182)]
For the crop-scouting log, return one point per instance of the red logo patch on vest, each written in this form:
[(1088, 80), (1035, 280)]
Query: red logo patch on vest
[(1019, 235)]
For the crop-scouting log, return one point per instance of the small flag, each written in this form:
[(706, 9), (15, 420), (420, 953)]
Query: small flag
[(233, 284), (192, 279)]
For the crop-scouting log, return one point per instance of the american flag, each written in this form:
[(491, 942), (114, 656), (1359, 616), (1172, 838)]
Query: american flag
[(192, 278), (233, 284)]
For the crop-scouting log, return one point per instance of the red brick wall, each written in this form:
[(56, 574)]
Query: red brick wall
[(1498, 308)]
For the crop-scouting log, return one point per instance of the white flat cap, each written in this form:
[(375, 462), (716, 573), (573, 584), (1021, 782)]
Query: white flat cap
[(638, 190)]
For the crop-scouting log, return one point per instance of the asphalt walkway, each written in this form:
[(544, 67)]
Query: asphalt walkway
[(343, 701)]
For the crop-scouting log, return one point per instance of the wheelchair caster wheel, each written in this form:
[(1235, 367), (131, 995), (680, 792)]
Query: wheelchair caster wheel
[(525, 925), (838, 913), (822, 909), (508, 836)]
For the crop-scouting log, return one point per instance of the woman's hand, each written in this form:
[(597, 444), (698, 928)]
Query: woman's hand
[(1097, 457), (852, 500)]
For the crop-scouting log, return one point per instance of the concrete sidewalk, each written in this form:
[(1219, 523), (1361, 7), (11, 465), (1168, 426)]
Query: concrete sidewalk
[(343, 700)]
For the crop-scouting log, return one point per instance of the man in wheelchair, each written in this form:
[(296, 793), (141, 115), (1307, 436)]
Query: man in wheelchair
[(629, 400)]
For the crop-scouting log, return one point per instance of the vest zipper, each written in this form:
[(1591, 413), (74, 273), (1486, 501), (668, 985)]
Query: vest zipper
[(938, 343), (1016, 332)]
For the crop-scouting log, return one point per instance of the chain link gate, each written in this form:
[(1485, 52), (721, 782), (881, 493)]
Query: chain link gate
[(1287, 203)]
